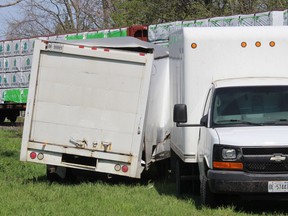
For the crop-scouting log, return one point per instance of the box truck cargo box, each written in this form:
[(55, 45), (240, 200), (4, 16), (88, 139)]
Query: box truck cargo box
[(230, 91), (89, 104)]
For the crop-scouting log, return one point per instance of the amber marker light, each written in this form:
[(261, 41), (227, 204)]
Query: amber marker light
[(193, 45), (258, 44), (272, 43), (243, 44), (228, 165)]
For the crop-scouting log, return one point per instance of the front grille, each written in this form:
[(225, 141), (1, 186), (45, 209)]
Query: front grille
[(266, 167), (258, 160), (264, 151)]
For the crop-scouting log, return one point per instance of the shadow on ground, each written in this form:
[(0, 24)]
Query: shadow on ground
[(166, 186)]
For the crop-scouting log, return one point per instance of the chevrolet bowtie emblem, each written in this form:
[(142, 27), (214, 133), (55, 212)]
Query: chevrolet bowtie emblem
[(277, 158)]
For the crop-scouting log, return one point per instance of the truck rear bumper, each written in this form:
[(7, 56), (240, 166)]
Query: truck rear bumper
[(237, 182)]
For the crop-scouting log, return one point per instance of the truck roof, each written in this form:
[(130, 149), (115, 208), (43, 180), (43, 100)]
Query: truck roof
[(124, 43), (238, 82)]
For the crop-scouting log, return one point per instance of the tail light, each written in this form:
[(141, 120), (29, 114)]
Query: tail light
[(33, 155)]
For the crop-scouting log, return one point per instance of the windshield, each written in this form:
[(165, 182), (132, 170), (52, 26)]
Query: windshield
[(264, 105)]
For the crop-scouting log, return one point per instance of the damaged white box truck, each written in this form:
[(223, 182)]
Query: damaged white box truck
[(230, 97), (97, 105)]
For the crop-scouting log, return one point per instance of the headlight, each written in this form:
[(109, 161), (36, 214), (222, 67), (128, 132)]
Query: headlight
[(229, 154), (227, 157)]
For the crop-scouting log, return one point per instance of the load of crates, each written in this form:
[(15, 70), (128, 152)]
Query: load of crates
[(16, 55)]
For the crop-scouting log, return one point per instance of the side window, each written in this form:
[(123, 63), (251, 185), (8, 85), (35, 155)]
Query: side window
[(208, 102)]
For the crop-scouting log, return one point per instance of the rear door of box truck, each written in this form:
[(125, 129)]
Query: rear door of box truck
[(87, 102)]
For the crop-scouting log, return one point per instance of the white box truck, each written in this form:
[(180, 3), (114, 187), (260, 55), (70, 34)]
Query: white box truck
[(97, 105), (230, 97)]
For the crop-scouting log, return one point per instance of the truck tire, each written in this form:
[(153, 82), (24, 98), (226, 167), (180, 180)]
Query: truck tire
[(12, 117), (186, 178), (162, 168), (2, 118), (51, 176), (208, 198), (179, 185)]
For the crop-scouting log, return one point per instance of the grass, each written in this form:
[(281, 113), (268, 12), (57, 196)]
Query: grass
[(24, 190)]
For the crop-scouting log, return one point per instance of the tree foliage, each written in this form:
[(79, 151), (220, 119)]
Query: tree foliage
[(152, 12), (9, 3), (42, 17)]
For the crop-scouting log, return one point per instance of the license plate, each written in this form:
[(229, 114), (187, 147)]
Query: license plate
[(277, 186)]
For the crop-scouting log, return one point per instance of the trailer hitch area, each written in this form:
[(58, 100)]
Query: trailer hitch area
[(78, 143), (106, 145)]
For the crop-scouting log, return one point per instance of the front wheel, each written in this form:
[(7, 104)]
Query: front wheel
[(208, 198)]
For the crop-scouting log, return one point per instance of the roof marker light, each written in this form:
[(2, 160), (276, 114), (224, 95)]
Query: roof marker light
[(81, 46), (142, 54), (272, 43), (243, 44), (93, 48), (106, 49), (258, 44), (193, 45)]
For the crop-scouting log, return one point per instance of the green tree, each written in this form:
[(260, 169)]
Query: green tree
[(150, 11), (129, 12)]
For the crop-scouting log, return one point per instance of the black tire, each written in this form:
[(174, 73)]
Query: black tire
[(179, 185), (51, 176), (12, 117), (195, 188), (208, 198), (162, 168), (186, 178), (2, 118)]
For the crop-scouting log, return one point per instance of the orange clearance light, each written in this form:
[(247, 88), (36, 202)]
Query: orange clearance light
[(193, 45), (272, 44), (243, 44), (258, 44), (228, 165)]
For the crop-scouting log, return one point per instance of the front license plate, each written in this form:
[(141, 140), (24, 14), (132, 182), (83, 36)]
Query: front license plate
[(277, 186)]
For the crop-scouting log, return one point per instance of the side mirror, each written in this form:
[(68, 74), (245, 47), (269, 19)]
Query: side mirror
[(180, 113), (204, 121)]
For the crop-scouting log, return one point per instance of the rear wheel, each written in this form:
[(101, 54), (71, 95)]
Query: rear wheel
[(12, 117), (59, 174), (2, 117), (51, 174), (186, 177)]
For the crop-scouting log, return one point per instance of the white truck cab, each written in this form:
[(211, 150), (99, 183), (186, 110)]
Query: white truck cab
[(230, 97)]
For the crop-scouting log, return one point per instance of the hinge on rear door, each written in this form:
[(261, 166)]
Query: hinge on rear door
[(106, 145), (78, 143)]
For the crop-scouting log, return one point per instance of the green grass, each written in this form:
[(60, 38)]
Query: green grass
[(24, 190)]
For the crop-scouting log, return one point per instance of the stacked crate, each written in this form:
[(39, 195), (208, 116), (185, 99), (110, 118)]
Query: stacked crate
[(15, 66)]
